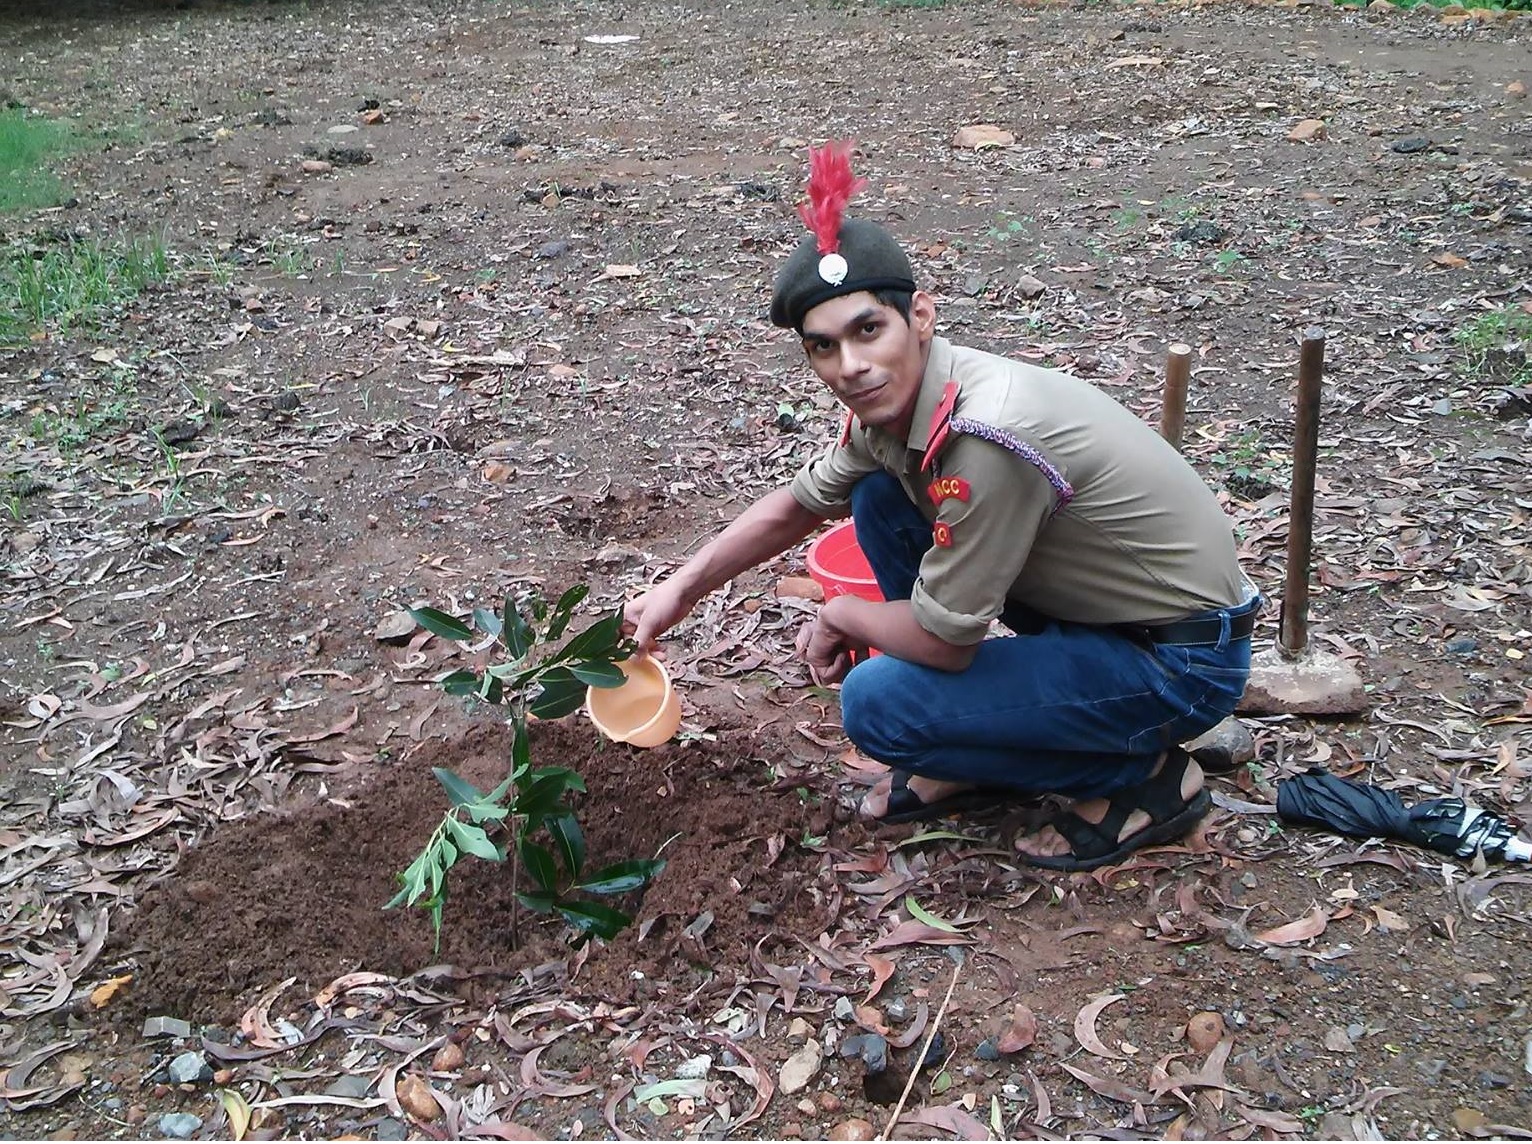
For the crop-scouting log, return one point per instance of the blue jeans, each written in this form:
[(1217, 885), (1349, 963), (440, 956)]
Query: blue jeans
[(1073, 709)]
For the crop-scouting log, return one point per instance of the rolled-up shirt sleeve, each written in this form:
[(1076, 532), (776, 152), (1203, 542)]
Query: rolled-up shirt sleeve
[(824, 485), (982, 541)]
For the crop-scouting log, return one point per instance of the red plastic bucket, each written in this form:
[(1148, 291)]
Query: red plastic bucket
[(838, 566)]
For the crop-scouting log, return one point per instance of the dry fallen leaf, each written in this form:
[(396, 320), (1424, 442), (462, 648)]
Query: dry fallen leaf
[(882, 969), (1085, 1027), (1309, 926), (103, 994)]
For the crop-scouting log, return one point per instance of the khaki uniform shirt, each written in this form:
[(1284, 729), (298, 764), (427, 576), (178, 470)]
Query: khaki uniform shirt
[(1045, 491)]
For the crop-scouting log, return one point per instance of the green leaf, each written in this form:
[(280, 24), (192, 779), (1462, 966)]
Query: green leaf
[(539, 864), (517, 636), (570, 840), (486, 812), (486, 621), (521, 748), (598, 673), (599, 641), (472, 840), (564, 609), (538, 901), (441, 624), (460, 682), (493, 690), (594, 918), (920, 914), (460, 792), (537, 799), (936, 836), (620, 877), (572, 779), (562, 694)]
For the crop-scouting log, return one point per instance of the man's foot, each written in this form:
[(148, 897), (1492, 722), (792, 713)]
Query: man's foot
[(1102, 831), (903, 797)]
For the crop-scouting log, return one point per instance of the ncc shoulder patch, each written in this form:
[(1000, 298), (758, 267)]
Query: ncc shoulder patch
[(949, 488)]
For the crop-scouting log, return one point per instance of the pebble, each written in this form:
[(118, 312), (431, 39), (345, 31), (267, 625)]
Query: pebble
[(1204, 1031), (870, 1047), (166, 1027), (1412, 144), (801, 1068), (1463, 646), (695, 1068), (897, 1010), (448, 1058), (188, 1068), (987, 1050), (853, 1130), (829, 1103), (317, 167), (799, 1028), (179, 1125), (1494, 1080), (1030, 287), (1307, 130), (844, 1010), (391, 1129), (352, 1086)]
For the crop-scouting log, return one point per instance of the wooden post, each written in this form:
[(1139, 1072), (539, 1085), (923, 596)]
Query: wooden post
[(1178, 372), (1294, 636)]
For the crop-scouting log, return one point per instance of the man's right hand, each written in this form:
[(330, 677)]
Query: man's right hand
[(654, 613)]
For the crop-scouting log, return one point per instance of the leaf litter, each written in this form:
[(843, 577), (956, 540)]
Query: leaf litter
[(164, 604)]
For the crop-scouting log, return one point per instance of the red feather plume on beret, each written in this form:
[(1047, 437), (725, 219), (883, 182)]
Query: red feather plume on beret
[(831, 185)]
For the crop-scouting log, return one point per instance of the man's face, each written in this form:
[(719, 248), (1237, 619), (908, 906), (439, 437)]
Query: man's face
[(869, 356)]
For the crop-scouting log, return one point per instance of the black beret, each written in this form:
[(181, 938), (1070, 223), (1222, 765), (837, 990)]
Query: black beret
[(873, 261)]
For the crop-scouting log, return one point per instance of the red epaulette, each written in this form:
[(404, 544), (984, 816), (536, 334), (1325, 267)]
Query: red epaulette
[(845, 432), (941, 425)]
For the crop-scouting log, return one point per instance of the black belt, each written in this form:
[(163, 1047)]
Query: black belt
[(1203, 631)]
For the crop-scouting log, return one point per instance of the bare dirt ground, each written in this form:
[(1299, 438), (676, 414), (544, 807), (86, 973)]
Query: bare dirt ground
[(506, 329)]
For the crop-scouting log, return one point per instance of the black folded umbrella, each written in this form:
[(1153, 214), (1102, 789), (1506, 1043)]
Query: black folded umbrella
[(1450, 825)]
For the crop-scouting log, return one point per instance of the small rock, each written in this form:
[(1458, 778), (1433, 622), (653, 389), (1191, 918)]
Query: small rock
[(1412, 144), (1029, 287), (1204, 1031), (1516, 89), (830, 1104), (448, 1058), (987, 1050), (844, 1010), (179, 1125), (1381, 6), (166, 1027), (801, 1068), (695, 1068), (981, 135), (1336, 1041), (1493, 1080), (870, 1047), (807, 1107), (179, 431), (317, 167), (341, 129), (21, 544), (391, 1129), (618, 554), (286, 401), (1225, 747), (800, 588), (352, 1086), (1464, 646), (897, 1010), (512, 139), (1306, 131), (555, 249), (853, 1130), (395, 628), (188, 1068), (417, 1099), (799, 1028)]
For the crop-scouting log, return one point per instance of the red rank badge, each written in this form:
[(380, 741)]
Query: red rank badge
[(941, 534)]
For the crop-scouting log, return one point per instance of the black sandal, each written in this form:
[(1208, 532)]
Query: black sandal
[(1094, 844), (904, 805)]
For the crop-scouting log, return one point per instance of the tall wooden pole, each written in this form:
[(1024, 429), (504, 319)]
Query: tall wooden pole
[(1294, 637)]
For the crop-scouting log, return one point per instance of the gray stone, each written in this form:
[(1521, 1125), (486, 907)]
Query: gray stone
[(353, 1086), (897, 1010), (800, 1068), (695, 1068), (1412, 144), (1200, 231), (179, 1125), (1030, 287), (987, 1050), (844, 1010), (166, 1027), (391, 1129), (189, 1068), (1225, 747), (1464, 646)]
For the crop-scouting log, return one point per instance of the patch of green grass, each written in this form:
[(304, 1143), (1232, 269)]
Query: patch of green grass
[(73, 283), (27, 143), (1498, 343)]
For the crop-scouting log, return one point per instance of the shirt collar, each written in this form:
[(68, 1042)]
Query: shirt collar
[(938, 373)]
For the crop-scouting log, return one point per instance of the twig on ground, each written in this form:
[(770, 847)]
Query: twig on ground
[(920, 1060)]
